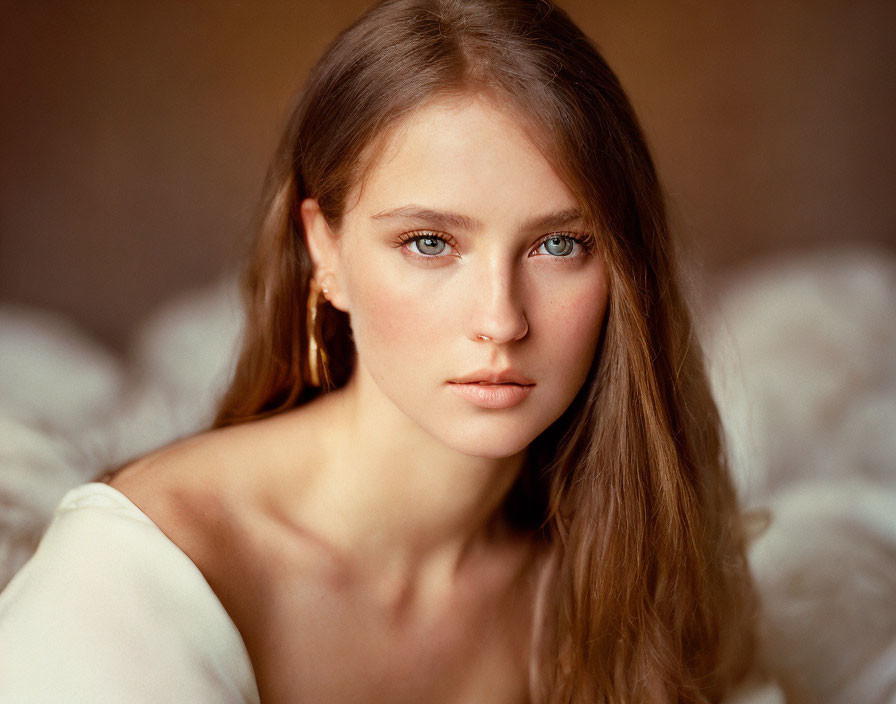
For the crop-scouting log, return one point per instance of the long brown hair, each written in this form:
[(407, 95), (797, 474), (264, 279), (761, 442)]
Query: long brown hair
[(648, 597)]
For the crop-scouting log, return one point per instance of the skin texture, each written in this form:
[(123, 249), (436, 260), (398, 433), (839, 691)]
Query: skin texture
[(357, 541)]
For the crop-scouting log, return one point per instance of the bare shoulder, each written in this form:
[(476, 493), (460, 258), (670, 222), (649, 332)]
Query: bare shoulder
[(212, 491), (203, 464), (224, 497)]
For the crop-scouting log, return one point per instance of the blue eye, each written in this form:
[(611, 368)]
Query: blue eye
[(558, 245), (429, 245)]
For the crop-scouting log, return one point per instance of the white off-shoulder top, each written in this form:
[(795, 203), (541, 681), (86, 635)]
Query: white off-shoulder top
[(105, 569)]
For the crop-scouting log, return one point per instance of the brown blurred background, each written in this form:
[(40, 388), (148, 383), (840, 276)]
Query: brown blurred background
[(134, 135)]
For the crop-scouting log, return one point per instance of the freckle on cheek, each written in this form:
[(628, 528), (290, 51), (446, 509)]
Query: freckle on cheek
[(584, 312), (391, 316)]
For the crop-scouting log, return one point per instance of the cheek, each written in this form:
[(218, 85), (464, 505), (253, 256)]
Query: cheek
[(572, 324), (392, 322), (586, 315)]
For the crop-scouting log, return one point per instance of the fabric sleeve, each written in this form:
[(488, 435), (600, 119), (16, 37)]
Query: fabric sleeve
[(110, 610)]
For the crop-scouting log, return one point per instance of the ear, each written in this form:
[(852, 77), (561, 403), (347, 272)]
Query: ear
[(323, 246)]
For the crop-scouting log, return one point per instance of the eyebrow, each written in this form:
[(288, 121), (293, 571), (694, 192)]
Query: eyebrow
[(555, 221), (446, 220), (439, 219)]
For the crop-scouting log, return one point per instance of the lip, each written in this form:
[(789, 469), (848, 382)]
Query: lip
[(490, 376), (492, 395), (490, 389)]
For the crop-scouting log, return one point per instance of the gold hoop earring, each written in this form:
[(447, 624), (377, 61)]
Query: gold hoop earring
[(317, 356)]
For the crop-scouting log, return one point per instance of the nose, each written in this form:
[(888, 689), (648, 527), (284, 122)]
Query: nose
[(497, 313)]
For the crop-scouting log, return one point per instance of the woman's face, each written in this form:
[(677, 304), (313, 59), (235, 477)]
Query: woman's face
[(475, 293)]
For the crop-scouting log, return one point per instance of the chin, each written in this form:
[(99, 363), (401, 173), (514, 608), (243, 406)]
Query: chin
[(489, 444)]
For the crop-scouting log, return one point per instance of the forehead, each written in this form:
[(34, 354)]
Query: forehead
[(466, 154)]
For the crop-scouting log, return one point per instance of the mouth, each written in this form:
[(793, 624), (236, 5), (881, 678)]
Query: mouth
[(487, 377), (495, 391)]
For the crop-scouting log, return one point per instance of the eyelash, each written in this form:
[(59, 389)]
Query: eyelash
[(585, 241), (418, 235)]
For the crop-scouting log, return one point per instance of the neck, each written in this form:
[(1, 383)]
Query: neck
[(402, 496)]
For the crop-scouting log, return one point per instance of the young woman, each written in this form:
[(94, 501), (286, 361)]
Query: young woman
[(468, 454)]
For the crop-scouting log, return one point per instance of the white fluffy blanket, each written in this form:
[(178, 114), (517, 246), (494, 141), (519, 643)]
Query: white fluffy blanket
[(802, 362)]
